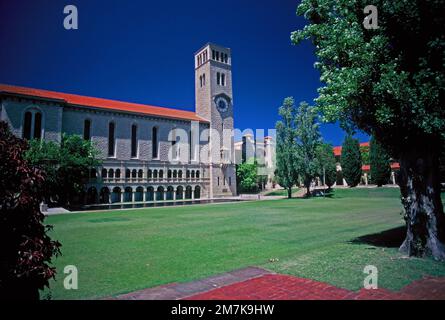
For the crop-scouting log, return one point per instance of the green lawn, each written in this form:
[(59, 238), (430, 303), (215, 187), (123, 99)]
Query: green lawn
[(281, 192), (122, 251)]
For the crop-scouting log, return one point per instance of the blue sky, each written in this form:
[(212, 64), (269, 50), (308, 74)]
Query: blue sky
[(142, 51)]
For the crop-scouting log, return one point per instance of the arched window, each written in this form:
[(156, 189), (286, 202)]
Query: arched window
[(223, 79), (134, 141), (111, 140), (104, 173), (150, 174), (27, 125), (133, 173), (140, 173), (218, 78), (161, 174), (155, 174), (87, 129), (180, 174), (111, 173), (175, 174), (37, 125), (193, 174), (169, 174), (32, 125), (118, 173), (154, 138), (197, 174), (127, 173)]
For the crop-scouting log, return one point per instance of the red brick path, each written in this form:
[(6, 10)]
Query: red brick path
[(284, 287)]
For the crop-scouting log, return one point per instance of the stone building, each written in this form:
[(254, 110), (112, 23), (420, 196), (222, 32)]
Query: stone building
[(148, 153)]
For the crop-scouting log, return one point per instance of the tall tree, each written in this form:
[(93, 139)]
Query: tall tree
[(351, 161), (328, 165), (66, 164), (286, 159), (247, 177), (27, 249), (379, 160), (389, 82), (308, 139)]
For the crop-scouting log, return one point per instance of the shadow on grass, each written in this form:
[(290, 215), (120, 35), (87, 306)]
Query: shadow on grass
[(391, 238)]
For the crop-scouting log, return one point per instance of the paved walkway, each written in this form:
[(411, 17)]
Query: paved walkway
[(258, 284)]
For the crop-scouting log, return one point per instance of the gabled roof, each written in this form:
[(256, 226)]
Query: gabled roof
[(91, 102)]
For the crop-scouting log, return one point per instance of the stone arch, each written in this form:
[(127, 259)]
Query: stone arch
[(160, 193), (188, 192), (128, 194), (139, 194), (179, 192), (104, 195), (197, 192), (150, 194), (116, 195), (170, 193)]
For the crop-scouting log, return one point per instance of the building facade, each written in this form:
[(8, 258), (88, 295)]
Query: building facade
[(148, 153)]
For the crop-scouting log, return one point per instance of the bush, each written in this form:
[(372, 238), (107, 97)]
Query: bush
[(26, 248)]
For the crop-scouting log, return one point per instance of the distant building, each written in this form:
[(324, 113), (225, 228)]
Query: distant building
[(366, 168), (139, 148)]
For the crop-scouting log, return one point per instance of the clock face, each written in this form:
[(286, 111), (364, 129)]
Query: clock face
[(222, 104)]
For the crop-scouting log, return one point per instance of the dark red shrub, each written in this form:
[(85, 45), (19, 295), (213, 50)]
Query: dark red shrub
[(26, 249)]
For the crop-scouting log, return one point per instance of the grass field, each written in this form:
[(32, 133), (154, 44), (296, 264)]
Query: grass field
[(281, 192), (328, 239)]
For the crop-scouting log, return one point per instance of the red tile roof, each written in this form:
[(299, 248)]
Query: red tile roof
[(337, 150), (84, 101), (394, 166)]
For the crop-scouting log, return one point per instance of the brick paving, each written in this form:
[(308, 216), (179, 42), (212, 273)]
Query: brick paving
[(258, 284), (285, 287)]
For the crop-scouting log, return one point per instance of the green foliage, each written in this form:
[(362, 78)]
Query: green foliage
[(351, 161), (247, 177), (66, 164), (308, 139), (364, 151), (380, 168), (286, 155), (388, 82), (328, 164)]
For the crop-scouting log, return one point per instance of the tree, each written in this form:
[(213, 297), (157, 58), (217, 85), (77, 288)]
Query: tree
[(67, 165), (247, 178), (379, 160), (351, 161), (286, 159), (390, 83), (27, 249), (328, 165), (308, 139)]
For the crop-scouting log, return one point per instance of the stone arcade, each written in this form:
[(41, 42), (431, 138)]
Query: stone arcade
[(142, 159)]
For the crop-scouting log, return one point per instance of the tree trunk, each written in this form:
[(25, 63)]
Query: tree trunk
[(424, 216), (308, 191), (289, 192)]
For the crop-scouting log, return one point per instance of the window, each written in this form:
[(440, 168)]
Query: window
[(204, 79), (224, 180), (218, 181), (223, 79), (27, 125), (217, 55), (127, 173), (213, 54), (218, 78), (37, 125), (230, 181), (111, 139), (200, 81), (226, 58), (154, 137), (32, 125), (87, 129), (134, 141)]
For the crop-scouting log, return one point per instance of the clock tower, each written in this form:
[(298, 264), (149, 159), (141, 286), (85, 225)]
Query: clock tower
[(214, 102)]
